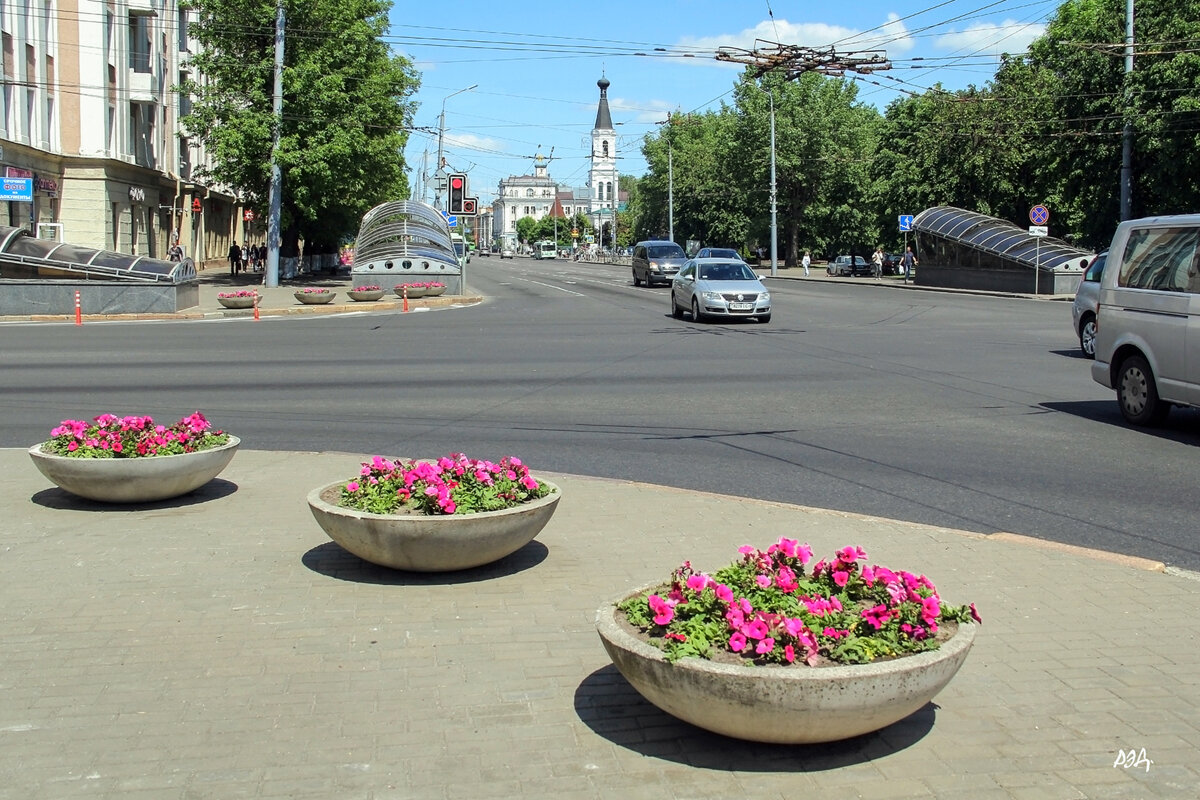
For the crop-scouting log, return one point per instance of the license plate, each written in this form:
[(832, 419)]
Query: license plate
[(741, 306)]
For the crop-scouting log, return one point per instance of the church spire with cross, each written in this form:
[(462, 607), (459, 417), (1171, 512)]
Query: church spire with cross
[(602, 177)]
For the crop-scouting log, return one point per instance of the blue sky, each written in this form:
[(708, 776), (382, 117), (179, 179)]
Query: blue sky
[(536, 66)]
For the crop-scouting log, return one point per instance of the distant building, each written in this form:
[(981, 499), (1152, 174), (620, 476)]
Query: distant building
[(537, 195)]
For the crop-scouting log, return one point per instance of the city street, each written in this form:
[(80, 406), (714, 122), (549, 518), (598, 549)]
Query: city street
[(965, 411)]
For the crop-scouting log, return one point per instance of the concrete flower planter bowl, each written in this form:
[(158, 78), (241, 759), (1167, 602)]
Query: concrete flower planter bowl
[(412, 291), (435, 291), (315, 298), (782, 705), (134, 480), (239, 302), (368, 296), (421, 543)]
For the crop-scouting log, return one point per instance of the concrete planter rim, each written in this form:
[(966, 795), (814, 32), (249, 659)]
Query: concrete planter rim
[(476, 539), (143, 479), (314, 298), (367, 296), (239, 302), (655, 684)]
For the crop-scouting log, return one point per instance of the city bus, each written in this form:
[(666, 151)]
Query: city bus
[(545, 249)]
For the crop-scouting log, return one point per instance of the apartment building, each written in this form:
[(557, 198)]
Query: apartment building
[(91, 149)]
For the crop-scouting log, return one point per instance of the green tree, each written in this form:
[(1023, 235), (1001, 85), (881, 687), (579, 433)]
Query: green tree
[(346, 109), (527, 229)]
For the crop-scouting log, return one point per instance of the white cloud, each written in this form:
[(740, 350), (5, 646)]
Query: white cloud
[(468, 141), (892, 37), (988, 38), (643, 110)]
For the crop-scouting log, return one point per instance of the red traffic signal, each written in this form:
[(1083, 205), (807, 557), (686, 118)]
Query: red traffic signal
[(458, 192), (469, 205)]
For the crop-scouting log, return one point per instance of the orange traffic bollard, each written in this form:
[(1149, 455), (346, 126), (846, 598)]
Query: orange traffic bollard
[(405, 296), (256, 299), (78, 313)]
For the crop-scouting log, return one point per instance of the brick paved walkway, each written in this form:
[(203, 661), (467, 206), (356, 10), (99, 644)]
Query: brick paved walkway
[(219, 646)]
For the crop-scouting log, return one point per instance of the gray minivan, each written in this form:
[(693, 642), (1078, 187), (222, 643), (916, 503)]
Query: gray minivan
[(656, 261), (1148, 317)]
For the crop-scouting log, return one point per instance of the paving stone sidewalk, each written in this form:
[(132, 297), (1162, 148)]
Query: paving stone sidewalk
[(219, 646)]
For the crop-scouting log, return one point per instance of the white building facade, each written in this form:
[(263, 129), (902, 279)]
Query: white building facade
[(89, 115), (538, 195)]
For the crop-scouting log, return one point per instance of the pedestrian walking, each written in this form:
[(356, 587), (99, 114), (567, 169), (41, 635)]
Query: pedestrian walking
[(806, 262), (175, 253), (262, 257), (908, 261), (877, 263), (235, 258)]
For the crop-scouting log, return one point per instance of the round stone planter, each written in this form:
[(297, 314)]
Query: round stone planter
[(421, 543), (368, 296), (315, 298), (134, 480), (413, 291), (239, 302), (434, 291), (782, 705)]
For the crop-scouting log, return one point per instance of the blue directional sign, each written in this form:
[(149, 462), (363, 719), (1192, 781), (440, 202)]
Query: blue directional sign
[(1039, 215), (17, 190), (451, 220), (906, 222)]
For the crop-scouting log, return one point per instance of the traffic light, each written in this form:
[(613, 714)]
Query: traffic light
[(458, 192), (469, 204)]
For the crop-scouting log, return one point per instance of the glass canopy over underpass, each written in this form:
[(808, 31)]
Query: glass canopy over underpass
[(24, 257), (969, 239)]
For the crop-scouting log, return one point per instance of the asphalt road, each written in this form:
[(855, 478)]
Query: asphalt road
[(964, 411)]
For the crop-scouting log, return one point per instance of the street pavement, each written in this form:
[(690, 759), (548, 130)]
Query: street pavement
[(220, 646)]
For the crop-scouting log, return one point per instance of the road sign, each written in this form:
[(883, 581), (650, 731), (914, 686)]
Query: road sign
[(451, 220), (906, 222), (1039, 215), (1039, 230), (469, 206), (18, 190)]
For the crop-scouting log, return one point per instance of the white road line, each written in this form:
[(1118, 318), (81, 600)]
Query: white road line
[(559, 288)]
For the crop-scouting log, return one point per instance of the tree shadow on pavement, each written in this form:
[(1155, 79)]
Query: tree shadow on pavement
[(331, 560), (614, 710)]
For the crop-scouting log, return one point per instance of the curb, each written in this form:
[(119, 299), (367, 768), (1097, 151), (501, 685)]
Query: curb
[(246, 313)]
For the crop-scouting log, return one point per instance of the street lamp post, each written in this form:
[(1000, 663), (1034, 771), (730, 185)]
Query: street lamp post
[(670, 183), (441, 171), (774, 228)]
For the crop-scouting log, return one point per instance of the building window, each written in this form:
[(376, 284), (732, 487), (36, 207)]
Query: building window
[(605, 145), (529, 192), (139, 42)]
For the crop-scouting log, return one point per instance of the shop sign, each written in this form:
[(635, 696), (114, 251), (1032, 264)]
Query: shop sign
[(16, 190), (46, 185), (17, 172)]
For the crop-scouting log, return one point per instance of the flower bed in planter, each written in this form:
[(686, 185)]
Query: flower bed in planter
[(765, 651), (132, 460), (311, 296), (365, 294), (411, 290), (239, 299), (450, 514)]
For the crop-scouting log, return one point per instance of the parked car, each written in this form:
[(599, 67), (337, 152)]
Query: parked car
[(1148, 317), (891, 263), (656, 261), (718, 252), (850, 266), (719, 287), (507, 252), (1083, 310)]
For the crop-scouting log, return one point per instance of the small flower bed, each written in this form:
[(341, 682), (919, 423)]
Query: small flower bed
[(313, 290), (238, 293), (768, 608), (432, 285), (367, 289), (453, 484), (110, 436)]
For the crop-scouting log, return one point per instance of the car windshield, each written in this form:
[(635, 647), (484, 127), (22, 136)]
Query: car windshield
[(725, 272), (717, 253), (665, 251)]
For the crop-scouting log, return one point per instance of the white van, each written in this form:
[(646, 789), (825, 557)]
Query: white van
[(1148, 317)]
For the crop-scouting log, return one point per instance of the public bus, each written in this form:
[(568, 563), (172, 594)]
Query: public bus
[(545, 249)]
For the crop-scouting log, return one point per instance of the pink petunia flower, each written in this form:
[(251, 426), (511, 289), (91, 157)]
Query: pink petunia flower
[(737, 642)]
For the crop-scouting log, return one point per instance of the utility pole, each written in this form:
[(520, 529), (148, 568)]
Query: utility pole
[(271, 277), (774, 227), (1127, 131)]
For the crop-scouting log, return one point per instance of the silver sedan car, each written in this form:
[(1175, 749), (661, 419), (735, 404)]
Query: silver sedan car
[(719, 287)]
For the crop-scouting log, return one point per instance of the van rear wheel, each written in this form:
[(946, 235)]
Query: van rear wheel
[(1137, 393)]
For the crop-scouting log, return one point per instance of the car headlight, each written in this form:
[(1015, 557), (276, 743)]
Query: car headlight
[(765, 297), (713, 296), (654, 266)]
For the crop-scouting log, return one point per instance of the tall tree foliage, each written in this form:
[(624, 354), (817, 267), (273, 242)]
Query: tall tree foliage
[(346, 108)]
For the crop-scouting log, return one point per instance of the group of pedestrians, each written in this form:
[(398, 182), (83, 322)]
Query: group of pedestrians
[(247, 257)]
